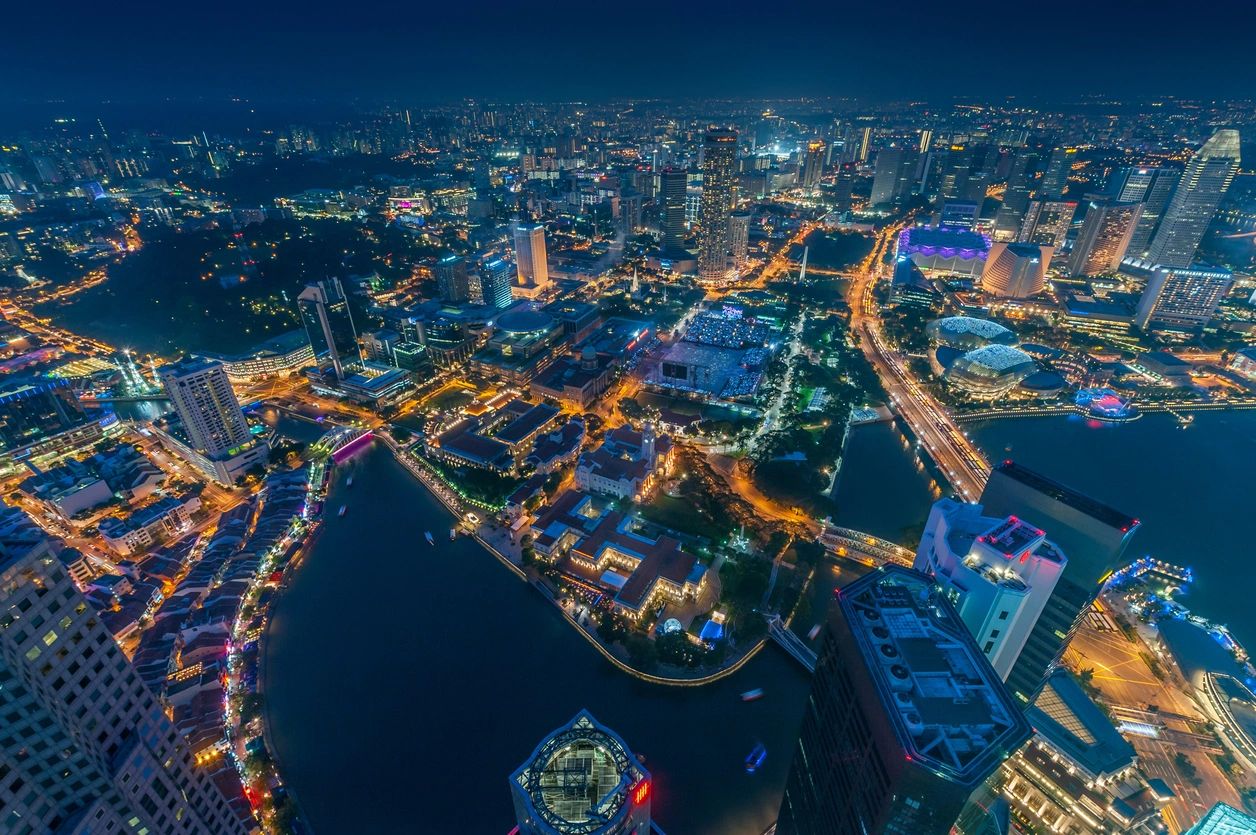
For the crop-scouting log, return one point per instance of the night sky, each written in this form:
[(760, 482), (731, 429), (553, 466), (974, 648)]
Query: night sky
[(420, 52)]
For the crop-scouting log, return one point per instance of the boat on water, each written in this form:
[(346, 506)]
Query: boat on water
[(453, 534), (349, 481), (752, 695), (754, 760), (428, 536), (342, 510), (815, 630)]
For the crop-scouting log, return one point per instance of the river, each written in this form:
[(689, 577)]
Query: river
[(405, 682)]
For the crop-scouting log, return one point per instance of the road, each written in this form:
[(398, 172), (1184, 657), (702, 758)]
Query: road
[(965, 467)]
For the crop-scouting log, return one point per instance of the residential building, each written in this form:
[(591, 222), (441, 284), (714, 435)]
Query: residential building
[(739, 239), (582, 779), (1204, 182), (210, 431), (905, 718), (998, 573), (1182, 297), (165, 518), (813, 163)]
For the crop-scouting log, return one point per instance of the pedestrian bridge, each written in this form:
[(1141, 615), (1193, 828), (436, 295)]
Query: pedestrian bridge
[(848, 542), (791, 643)]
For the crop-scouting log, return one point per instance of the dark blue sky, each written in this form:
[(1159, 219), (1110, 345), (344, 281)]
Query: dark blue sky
[(431, 51)]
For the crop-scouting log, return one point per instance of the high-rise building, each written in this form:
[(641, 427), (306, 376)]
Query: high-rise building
[(672, 189), (865, 145), (1011, 212), (531, 261), (495, 283), (1104, 237), (998, 573), (1016, 271), (200, 392), (328, 323), (1153, 187), (1195, 201), (86, 746), (36, 408), (719, 192), (1182, 297), (953, 173), (582, 779), (739, 238), (1094, 537), (813, 164), (452, 281), (905, 718), (1055, 176), (892, 179), (1047, 222)]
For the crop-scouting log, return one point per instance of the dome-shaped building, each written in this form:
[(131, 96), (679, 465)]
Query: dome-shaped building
[(990, 372), (968, 332)]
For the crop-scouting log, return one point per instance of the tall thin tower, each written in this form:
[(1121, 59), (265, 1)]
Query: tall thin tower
[(1199, 192), (719, 191)]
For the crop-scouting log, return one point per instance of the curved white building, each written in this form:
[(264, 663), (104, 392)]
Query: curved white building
[(990, 372), (1016, 271)]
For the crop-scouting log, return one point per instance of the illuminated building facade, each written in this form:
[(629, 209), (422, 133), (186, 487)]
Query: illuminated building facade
[(1104, 237), (1046, 222), (905, 718), (813, 163), (1152, 187), (531, 262), (673, 186), (582, 779), (719, 192), (328, 323), (1204, 182), (1182, 297), (452, 281), (1017, 270)]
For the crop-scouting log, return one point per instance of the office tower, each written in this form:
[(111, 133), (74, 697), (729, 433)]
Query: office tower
[(531, 262), (865, 144), (1182, 297), (813, 164), (672, 188), (582, 779), (1055, 176), (201, 395), (891, 181), (905, 718), (86, 747), (452, 282), (495, 283), (958, 214), (1011, 212), (926, 139), (1094, 537), (1224, 819), (998, 573), (1016, 271), (953, 173), (1046, 222), (1195, 201), (328, 323), (739, 238), (1104, 237), (719, 184), (1153, 187)]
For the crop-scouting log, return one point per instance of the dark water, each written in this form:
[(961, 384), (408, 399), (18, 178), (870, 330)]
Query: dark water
[(881, 488), (405, 682), (142, 410), (1193, 490)]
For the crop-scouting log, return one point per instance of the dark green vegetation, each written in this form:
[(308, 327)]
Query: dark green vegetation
[(168, 296)]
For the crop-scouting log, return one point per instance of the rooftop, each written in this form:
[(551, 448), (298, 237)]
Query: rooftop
[(1074, 725), (1066, 495), (948, 707), (997, 357)]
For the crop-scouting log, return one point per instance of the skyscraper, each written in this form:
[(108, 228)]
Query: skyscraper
[(202, 397), (739, 238), (328, 323), (1154, 188), (531, 261), (905, 718), (1094, 537), (1104, 237), (1046, 222), (452, 282), (86, 747), (1055, 177), (813, 164), (1016, 271), (1199, 192), (1182, 297), (891, 181), (719, 192), (495, 283), (999, 574), (672, 186), (582, 779), (1011, 212)]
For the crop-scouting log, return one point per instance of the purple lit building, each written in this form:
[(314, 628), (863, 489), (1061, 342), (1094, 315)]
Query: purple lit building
[(945, 249)]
